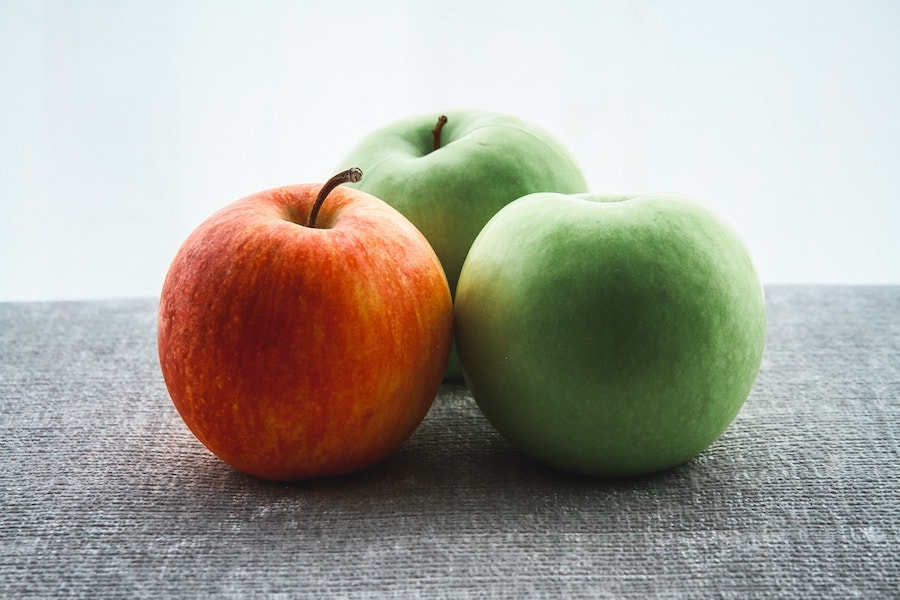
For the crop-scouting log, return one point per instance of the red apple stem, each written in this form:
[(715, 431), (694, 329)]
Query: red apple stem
[(351, 175), (436, 132)]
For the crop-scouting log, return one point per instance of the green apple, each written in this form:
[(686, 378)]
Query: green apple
[(609, 335), (450, 172)]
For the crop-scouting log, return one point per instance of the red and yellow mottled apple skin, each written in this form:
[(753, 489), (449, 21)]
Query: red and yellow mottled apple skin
[(294, 352)]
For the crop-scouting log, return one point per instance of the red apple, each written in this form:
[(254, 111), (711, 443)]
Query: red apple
[(300, 338)]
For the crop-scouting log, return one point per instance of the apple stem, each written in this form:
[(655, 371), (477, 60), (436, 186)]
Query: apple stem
[(351, 175), (436, 132)]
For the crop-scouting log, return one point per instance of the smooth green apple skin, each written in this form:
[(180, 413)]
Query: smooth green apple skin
[(609, 335), (485, 161)]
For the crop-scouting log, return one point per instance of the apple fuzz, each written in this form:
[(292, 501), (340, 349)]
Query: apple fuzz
[(449, 174), (304, 331), (609, 335)]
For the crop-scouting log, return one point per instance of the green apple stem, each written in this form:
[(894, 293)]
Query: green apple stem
[(351, 175), (436, 132)]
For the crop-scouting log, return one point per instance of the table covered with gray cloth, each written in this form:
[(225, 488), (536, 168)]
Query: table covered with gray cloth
[(104, 491)]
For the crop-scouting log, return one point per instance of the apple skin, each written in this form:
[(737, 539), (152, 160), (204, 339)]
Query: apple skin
[(294, 352), (485, 161), (609, 335)]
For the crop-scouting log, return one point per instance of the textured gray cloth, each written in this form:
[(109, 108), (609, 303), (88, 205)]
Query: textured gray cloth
[(104, 492)]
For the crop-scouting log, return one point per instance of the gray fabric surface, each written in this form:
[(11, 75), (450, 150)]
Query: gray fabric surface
[(104, 492)]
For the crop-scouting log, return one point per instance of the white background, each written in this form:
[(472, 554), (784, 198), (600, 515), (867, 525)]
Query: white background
[(125, 123)]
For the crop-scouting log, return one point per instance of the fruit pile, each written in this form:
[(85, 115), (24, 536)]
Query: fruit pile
[(304, 331)]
